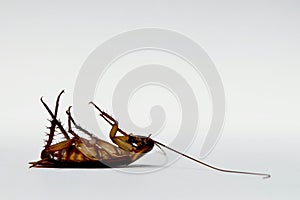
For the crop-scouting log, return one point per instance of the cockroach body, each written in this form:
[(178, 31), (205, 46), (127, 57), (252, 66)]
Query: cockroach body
[(79, 152)]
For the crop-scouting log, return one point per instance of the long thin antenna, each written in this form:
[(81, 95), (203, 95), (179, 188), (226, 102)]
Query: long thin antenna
[(265, 176)]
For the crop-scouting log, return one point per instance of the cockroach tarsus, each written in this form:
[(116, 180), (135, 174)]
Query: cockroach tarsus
[(78, 152)]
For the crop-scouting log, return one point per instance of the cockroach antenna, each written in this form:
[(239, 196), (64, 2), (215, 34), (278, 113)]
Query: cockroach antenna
[(265, 176)]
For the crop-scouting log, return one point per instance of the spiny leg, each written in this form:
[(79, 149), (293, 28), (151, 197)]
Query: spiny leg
[(54, 121), (70, 119), (121, 141), (104, 114), (109, 119)]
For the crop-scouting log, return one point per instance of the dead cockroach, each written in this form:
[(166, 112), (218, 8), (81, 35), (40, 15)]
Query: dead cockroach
[(79, 152)]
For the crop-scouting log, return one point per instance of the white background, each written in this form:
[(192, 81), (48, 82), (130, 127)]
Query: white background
[(254, 45)]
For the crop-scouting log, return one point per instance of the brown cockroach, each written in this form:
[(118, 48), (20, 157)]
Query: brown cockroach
[(79, 152)]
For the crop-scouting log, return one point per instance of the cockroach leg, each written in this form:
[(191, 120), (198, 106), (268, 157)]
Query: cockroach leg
[(57, 103), (34, 164), (121, 141), (69, 123), (107, 117), (54, 121), (70, 119), (104, 114)]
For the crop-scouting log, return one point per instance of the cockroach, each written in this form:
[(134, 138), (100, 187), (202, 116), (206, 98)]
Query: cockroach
[(78, 152)]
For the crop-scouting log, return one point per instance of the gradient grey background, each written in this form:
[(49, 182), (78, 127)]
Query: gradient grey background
[(254, 45)]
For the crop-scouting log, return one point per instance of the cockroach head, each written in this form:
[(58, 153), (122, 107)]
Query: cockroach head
[(141, 142)]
